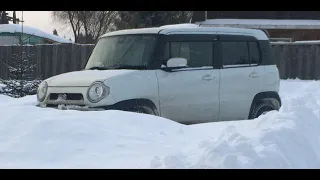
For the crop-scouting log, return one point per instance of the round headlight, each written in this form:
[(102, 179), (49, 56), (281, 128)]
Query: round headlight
[(97, 91), (42, 91)]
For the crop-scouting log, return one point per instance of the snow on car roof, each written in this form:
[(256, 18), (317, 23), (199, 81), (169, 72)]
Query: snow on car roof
[(11, 28), (185, 25), (178, 28)]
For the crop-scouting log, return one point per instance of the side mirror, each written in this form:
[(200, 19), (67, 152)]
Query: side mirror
[(177, 62)]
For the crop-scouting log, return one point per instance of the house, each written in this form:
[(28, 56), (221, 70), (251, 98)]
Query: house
[(9, 34), (279, 25)]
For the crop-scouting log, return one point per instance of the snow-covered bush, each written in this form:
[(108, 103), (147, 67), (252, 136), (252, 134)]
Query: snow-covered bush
[(1, 87), (19, 88), (20, 81)]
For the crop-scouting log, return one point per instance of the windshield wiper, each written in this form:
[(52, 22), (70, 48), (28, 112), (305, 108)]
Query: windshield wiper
[(98, 68), (128, 67)]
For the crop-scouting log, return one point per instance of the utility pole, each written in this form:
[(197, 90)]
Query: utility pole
[(21, 40), (21, 35), (14, 18), (22, 23)]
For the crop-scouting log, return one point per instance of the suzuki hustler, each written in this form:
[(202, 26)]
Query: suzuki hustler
[(188, 75)]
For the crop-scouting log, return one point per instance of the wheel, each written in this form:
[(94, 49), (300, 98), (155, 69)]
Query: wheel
[(143, 110), (261, 108)]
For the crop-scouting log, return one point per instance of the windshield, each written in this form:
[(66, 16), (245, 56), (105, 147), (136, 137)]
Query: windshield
[(122, 52)]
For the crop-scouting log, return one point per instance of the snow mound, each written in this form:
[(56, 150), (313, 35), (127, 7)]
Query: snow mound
[(48, 138), (12, 28)]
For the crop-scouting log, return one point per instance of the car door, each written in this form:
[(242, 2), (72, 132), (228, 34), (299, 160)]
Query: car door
[(240, 79), (190, 95)]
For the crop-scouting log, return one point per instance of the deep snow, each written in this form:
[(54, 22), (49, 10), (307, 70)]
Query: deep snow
[(31, 137)]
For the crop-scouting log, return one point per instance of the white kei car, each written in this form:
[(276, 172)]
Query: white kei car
[(189, 75)]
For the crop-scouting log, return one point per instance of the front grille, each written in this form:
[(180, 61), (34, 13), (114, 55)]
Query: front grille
[(69, 96)]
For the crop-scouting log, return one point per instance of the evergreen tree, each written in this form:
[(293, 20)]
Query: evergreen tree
[(55, 32), (143, 19), (21, 68)]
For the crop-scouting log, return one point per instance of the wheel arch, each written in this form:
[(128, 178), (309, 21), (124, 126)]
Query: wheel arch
[(267, 95), (129, 103)]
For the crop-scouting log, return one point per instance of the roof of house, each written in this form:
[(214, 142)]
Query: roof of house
[(198, 16), (193, 28), (12, 28), (262, 23)]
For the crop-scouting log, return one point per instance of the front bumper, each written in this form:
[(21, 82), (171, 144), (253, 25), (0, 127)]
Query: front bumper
[(74, 107), (81, 102), (78, 108)]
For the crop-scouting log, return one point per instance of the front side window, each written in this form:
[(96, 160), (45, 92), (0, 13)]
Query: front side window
[(123, 52), (198, 54)]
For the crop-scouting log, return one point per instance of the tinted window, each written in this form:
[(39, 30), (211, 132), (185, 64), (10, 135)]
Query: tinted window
[(234, 53), (198, 54), (254, 53)]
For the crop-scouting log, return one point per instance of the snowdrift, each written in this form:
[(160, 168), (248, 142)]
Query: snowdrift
[(31, 137)]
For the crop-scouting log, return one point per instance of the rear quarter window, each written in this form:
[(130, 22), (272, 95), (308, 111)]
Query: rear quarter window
[(234, 53), (240, 53), (254, 53)]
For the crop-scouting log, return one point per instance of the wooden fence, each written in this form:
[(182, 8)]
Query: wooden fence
[(294, 60), (49, 59), (298, 60)]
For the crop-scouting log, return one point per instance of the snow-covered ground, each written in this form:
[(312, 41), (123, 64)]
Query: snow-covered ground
[(31, 137)]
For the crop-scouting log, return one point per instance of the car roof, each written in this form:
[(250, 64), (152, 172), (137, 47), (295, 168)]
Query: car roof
[(192, 28)]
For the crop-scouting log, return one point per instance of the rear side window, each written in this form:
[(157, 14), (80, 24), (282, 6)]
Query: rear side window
[(198, 54), (240, 53), (235, 53)]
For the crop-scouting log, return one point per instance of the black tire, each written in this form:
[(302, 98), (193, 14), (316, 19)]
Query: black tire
[(144, 110), (261, 108)]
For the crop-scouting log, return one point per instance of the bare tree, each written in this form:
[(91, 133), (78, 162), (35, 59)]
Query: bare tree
[(70, 18), (90, 24), (55, 32), (141, 19), (100, 23)]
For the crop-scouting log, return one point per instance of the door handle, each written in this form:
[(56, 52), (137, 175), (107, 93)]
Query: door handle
[(253, 75), (207, 77)]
